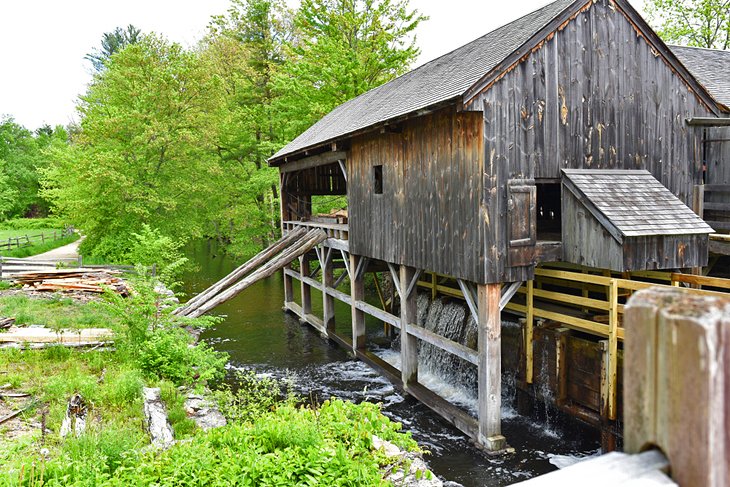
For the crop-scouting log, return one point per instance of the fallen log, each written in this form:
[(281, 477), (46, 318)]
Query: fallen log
[(154, 409), (311, 239), (6, 323), (14, 414), (242, 270)]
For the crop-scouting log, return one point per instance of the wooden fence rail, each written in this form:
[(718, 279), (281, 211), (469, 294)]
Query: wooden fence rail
[(589, 303), (26, 240)]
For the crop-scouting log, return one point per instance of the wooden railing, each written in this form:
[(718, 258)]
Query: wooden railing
[(337, 231), (27, 240), (591, 303)]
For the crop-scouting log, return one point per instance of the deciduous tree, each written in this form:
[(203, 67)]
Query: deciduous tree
[(697, 23)]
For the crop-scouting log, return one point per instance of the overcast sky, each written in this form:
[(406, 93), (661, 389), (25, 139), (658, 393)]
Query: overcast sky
[(42, 66)]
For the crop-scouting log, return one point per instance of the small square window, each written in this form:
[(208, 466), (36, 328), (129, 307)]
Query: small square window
[(378, 179)]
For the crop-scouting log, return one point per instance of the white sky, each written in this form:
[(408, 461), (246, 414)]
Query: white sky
[(42, 66)]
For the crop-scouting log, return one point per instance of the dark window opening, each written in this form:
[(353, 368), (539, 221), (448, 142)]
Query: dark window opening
[(378, 179), (549, 217)]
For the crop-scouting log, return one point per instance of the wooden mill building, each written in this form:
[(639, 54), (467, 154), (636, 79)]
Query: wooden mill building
[(573, 134)]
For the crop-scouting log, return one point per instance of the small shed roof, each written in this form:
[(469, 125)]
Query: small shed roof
[(632, 203), (711, 67)]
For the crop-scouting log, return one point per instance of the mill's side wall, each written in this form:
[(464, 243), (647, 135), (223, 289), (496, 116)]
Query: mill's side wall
[(428, 213)]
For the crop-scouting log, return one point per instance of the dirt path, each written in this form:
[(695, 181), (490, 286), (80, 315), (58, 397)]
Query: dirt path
[(67, 252)]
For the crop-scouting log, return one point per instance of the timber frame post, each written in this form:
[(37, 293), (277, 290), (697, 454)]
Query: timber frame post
[(405, 285), (490, 367), (306, 289), (288, 288), (357, 293), (328, 301)]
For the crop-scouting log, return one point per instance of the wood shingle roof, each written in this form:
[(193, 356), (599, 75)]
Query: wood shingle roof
[(633, 202)]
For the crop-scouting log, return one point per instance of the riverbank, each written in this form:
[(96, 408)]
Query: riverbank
[(272, 437)]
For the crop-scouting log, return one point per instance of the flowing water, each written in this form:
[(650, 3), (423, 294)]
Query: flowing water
[(259, 336)]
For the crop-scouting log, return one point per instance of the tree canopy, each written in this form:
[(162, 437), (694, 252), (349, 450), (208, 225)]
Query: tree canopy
[(696, 23), (174, 141), (112, 42)]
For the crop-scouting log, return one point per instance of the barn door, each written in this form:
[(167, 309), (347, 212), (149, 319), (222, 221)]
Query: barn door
[(521, 222)]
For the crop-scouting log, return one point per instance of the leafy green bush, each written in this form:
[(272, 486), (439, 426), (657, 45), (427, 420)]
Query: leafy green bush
[(155, 340), (251, 396), (32, 224), (150, 247)]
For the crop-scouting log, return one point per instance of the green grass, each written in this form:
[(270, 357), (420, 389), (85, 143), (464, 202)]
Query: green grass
[(56, 312), (40, 248)]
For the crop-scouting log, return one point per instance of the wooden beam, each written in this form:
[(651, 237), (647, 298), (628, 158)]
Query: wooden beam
[(342, 166), (490, 368), (328, 302), (313, 161), (470, 297), (408, 317), (378, 313), (306, 290), (450, 346), (357, 293), (508, 293), (708, 122)]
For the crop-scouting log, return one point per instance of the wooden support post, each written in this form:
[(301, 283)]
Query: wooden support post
[(288, 287), (561, 365), (612, 348), (490, 367), (529, 324), (328, 301), (357, 292), (408, 317), (434, 284), (304, 270)]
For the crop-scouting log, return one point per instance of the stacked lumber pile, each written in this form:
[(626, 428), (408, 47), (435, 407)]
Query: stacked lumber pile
[(6, 323), (72, 280)]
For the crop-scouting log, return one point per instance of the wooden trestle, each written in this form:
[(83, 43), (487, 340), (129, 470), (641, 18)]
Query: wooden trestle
[(485, 302), (485, 299)]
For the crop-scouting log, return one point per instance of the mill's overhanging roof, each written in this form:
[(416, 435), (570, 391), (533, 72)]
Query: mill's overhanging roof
[(634, 202), (451, 75), (442, 79), (711, 67)]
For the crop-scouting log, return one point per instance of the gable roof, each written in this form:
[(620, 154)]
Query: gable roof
[(633, 203), (711, 67), (452, 75), (442, 79)]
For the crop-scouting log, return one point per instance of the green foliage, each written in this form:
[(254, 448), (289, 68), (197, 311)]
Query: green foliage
[(22, 157), (145, 153), (154, 339), (150, 247), (39, 247), (697, 23), (253, 396), (344, 48), (55, 312), (39, 224), (112, 42)]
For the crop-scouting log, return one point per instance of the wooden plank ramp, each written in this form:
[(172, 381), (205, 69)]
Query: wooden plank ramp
[(266, 263)]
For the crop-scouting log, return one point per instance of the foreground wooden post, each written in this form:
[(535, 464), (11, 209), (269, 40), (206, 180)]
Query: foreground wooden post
[(357, 293), (328, 302), (288, 287), (305, 288), (677, 382), (408, 316), (529, 324), (490, 367)]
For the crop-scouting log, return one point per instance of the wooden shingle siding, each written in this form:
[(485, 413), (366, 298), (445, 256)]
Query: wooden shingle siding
[(428, 214), (596, 95)]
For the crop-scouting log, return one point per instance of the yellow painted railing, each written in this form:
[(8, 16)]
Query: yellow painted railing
[(596, 310)]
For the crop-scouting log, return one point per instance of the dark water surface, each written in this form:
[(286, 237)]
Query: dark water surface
[(258, 335)]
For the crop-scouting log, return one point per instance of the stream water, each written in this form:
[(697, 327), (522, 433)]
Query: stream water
[(259, 336)]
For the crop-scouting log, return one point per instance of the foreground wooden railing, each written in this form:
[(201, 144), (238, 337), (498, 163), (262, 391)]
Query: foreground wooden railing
[(583, 301), (26, 240)]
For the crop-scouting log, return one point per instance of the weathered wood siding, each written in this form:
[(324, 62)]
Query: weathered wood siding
[(428, 214), (587, 242), (594, 95)]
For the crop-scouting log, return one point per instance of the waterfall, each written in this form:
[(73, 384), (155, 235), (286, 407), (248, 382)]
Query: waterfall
[(451, 377)]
